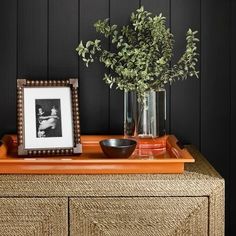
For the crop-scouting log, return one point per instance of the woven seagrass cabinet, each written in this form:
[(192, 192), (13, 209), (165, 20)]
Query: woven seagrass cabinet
[(88, 205)]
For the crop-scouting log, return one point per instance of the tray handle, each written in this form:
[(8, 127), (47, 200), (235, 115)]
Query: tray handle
[(5, 143), (180, 148), (180, 144)]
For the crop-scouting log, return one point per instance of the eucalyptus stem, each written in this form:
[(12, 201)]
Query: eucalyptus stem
[(142, 53)]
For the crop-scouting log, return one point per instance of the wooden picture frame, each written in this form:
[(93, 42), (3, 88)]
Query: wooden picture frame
[(48, 117)]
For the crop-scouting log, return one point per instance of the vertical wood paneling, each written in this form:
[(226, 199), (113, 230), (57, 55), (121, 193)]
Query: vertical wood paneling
[(94, 94), (215, 88), (215, 84), (185, 102), (8, 54), (120, 13), (63, 38), (232, 193), (156, 7), (32, 39)]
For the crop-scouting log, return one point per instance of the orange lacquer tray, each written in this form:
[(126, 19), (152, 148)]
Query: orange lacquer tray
[(161, 155)]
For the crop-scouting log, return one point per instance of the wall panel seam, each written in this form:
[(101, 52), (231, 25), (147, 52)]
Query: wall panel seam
[(47, 39), (200, 77), (170, 25), (230, 108), (17, 37), (109, 90)]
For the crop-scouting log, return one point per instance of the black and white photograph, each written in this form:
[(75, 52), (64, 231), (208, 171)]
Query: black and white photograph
[(48, 118)]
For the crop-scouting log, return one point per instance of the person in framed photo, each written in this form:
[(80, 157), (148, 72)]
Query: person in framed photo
[(48, 122)]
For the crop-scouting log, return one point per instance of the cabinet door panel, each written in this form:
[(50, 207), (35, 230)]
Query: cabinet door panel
[(139, 216), (33, 216)]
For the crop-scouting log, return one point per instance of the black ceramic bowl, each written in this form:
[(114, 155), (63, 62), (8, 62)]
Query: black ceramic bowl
[(118, 148)]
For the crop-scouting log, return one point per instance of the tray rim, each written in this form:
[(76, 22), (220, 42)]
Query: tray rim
[(75, 165)]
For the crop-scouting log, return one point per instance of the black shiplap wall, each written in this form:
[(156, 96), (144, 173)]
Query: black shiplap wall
[(8, 65), (185, 96), (215, 90), (94, 94), (38, 40), (232, 161)]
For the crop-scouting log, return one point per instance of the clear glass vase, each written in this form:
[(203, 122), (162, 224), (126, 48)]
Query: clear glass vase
[(145, 119)]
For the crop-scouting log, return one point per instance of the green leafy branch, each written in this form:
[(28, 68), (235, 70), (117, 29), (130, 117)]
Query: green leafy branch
[(142, 52)]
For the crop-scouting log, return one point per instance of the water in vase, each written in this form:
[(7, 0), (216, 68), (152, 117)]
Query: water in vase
[(145, 119)]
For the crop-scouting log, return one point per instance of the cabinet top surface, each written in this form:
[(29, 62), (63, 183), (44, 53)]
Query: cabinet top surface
[(199, 178)]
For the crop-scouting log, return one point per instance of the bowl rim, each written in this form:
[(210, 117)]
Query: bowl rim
[(133, 143)]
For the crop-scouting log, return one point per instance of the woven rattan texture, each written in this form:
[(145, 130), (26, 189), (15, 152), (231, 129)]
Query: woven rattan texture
[(199, 181), (33, 216), (160, 216)]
